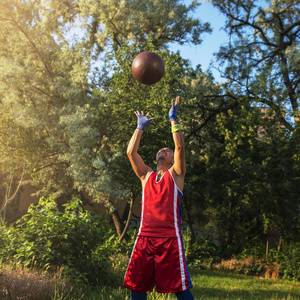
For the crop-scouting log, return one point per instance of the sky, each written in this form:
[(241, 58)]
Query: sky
[(203, 54)]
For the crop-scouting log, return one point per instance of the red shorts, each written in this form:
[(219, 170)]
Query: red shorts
[(160, 262)]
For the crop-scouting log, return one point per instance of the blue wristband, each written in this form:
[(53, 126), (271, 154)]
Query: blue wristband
[(173, 112)]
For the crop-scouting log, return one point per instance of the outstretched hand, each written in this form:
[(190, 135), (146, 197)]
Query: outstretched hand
[(174, 109), (143, 120)]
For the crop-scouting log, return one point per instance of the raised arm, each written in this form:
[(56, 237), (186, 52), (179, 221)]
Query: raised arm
[(137, 163), (179, 167)]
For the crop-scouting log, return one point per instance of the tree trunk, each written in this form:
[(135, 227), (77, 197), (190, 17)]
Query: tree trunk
[(124, 234), (113, 212), (117, 222), (190, 224), (267, 246), (281, 233), (279, 243)]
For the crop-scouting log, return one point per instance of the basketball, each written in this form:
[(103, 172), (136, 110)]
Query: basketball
[(148, 67)]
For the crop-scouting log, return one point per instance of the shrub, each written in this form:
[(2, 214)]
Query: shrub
[(202, 253), (284, 264), (289, 260), (117, 255), (47, 237), (249, 266)]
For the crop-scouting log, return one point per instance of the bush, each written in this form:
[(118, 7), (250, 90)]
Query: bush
[(202, 253), (249, 266), (45, 237), (289, 260)]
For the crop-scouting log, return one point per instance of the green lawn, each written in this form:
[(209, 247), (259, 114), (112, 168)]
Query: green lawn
[(218, 285)]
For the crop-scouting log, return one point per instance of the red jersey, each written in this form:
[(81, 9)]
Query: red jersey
[(161, 210)]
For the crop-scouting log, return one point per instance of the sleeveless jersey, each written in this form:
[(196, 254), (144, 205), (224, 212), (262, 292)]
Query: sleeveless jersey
[(161, 210)]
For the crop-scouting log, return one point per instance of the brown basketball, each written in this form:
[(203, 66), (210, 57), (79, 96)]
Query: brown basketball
[(148, 67)]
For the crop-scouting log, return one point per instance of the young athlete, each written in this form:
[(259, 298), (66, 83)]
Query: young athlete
[(157, 257)]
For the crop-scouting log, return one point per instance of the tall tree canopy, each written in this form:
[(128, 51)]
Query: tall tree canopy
[(263, 53), (261, 65), (55, 87)]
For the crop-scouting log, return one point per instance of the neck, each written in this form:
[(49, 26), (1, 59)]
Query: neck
[(161, 169), (160, 173)]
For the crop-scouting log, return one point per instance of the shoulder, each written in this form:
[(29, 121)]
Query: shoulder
[(145, 178)]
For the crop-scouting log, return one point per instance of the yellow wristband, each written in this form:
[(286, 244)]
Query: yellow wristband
[(176, 128)]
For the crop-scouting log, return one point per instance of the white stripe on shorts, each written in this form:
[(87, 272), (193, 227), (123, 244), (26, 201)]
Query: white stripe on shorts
[(176, 221)]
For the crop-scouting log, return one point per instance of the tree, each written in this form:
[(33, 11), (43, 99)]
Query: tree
[(54, 96), (249, 180), (261, 63), (116, 22), (261, 59), (40, 81)]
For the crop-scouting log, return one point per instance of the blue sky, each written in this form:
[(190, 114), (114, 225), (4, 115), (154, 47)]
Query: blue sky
[(203, 53)]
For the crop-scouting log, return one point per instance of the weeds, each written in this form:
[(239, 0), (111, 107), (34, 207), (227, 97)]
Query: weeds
[(249, 266), (21, 283)]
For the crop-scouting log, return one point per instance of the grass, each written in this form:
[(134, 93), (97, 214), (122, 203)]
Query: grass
[(219, 285), (210, 285)]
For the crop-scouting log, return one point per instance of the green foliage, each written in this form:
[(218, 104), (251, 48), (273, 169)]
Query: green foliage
[(257, 59), (3, 230), (118, 22), (56, 87), (285, 264), (247, 172), (202, 253), (45, 238), (289, 260)]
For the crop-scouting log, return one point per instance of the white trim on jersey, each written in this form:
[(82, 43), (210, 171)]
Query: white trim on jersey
[(160, 177), (142, 210), (175, 183)]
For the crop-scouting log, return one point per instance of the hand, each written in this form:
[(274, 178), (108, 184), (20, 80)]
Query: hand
[(174, 109), (143, 120)]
